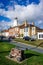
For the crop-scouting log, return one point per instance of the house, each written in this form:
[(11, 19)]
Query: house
[(24, 29), (40, 35), (5, 33), (14, 31), (29, 29)]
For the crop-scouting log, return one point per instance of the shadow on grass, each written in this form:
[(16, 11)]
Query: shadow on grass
[(28, 55), (4, 51), (5, 40)]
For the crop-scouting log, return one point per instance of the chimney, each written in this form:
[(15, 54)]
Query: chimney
[(25, 23), (32, 23)]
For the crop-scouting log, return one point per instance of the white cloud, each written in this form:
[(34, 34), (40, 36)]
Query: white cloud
[(31, 12), (5, 25), (40, 22)]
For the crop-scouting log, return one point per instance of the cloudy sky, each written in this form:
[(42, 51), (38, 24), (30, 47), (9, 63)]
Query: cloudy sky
[(30, 10)]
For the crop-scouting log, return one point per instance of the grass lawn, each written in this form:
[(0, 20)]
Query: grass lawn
[(36, 43), (33, 58)]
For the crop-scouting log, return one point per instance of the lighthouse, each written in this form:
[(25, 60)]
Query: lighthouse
[(15, 22)]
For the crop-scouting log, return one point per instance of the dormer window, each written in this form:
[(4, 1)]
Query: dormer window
[(26, 29), (33, 28)]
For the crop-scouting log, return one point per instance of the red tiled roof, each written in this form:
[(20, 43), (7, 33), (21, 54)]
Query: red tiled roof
[(6, 30), (22, 26)]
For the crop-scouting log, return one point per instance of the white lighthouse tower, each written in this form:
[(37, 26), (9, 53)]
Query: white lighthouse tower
[(15, 22)]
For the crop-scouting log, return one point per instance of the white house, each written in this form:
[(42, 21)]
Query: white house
[(5, 33), (40, 35)]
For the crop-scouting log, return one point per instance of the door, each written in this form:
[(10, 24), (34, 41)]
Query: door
[(26, 31)]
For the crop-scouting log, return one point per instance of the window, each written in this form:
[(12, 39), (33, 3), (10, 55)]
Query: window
[(33, 28), (25, 29), (41, 36)]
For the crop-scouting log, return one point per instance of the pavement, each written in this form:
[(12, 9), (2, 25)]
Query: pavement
[(26, 46)]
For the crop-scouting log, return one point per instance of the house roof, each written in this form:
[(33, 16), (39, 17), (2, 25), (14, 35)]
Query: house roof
[(22, 26), (39, 29), (6, 31)]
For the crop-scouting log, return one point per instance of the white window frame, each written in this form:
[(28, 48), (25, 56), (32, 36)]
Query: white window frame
[(26, 29), (40, 33)]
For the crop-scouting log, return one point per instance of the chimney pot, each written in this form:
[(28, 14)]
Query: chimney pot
[(25, 23)]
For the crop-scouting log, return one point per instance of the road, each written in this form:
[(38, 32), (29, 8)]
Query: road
[(24, 46)]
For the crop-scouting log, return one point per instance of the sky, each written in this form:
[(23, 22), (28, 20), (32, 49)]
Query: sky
[(30, 10)]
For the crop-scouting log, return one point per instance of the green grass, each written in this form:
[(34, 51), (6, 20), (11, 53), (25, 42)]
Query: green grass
[(5, 46), (32, 58), (36, 43)]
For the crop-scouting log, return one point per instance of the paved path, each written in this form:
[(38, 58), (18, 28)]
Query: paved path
[(24, 46)]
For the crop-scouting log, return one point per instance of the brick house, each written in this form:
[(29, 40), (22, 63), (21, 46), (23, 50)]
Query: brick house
[(29, 29), (14, 31), (24, 30)]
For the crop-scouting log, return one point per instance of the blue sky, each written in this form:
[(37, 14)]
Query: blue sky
[(30, 10)]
